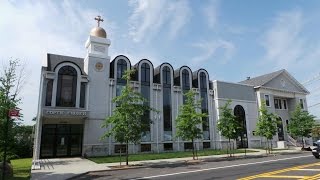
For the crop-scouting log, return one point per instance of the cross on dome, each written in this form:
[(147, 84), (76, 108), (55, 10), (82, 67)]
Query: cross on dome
[(98, 31), (98, 19)]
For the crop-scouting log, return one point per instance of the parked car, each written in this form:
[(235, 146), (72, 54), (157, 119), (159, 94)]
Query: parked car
[(316, 149)]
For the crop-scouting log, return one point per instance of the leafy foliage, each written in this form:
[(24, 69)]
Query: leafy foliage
[(11, 81), (316, 131), (301, 123), (267, 124), (126, 123), (228, 124), (188, 120)]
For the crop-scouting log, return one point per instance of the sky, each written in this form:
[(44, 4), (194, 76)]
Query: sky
[(230, 39)]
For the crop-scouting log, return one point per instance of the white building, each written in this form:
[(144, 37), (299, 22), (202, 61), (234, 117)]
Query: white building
[(75, 98)]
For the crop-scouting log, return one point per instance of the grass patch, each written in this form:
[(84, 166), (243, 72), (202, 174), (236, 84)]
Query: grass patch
[(169, 155), (21, 168)]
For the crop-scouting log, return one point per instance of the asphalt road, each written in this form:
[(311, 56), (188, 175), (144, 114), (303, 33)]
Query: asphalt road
[(217, 169)]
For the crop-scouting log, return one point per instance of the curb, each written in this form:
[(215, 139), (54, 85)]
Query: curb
[(209, 159)]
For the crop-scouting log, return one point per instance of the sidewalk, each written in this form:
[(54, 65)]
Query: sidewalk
[(64, 168)]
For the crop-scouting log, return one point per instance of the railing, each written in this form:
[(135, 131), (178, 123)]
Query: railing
[(294, 142)]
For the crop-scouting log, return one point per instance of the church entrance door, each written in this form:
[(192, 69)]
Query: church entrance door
[(61, 140)]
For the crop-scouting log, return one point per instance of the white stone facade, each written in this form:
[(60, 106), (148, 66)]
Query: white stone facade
[(75, 129)]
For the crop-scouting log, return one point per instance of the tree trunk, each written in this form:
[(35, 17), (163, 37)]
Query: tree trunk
[(193, 157), (196, 149), (233, 148), (127, 153), (230, 148), (267, 146), (302, 142), (120, 153)]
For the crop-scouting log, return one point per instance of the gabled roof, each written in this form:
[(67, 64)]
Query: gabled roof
[(264, 79)]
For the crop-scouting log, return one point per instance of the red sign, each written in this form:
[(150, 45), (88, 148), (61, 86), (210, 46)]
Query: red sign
[(13, 112)]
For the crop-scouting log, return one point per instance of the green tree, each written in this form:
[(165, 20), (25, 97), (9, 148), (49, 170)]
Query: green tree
[(12, 79), (228, 124), (126, 120), (267, 125), (316, 131), (189, 119), (23, 141), (301, 123)]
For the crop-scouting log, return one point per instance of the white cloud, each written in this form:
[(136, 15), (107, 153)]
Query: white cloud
[(30, 29), (283, 42), (149, 17), (212, 48), (211, 13), (287, 45)]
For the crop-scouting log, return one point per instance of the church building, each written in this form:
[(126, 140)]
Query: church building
[(76, 95)]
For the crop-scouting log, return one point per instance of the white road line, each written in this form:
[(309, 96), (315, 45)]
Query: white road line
[(308, 169), (222, 167)]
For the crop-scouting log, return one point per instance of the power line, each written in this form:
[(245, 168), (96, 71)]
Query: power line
[(314, 105), (308, 82)]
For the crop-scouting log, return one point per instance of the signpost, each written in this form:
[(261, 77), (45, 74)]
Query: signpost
[(11, 113)]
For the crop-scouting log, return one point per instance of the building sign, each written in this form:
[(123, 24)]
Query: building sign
[(65, 113), (14, 112)]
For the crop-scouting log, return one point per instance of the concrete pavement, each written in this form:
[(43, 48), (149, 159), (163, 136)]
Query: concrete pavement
[(65, 168)]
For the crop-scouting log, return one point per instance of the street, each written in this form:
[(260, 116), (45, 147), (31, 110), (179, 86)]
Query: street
[(292, 166)]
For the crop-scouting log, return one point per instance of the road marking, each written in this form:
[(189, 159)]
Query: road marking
[(222, 167), (286, 177), (308, 169), (315, 177), (281, 171)]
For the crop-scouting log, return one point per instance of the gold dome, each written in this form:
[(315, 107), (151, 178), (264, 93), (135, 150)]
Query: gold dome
[(98, 32)]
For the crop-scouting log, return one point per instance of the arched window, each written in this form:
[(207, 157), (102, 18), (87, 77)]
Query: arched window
[(166, 77), (204, 105), (280, 129), (203, 80), (242, 141), (67, 87), (167, 119), (145, 73), (185, 79), (185, 83), (145, 91), (121, 68)]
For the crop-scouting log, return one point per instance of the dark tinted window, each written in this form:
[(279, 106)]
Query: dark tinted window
[(166, 75), (145, 73), (204, 104), (67, 87), (121, 68), (167, 146), (185, 80), (49, 92), (82, 94), (145, 147), (166, 82), (203, 80)]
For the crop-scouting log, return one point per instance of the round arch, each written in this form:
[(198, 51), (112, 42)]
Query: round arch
[(240, 114)]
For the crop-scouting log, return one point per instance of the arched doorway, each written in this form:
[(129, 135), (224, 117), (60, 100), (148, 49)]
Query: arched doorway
[(242, 140), (280, 130)]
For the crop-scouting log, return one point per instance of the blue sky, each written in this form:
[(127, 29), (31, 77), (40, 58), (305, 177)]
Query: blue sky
[(231, 39)]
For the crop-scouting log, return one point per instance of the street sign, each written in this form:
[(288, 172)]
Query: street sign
[(14, 112)]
